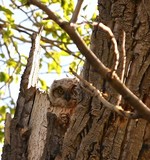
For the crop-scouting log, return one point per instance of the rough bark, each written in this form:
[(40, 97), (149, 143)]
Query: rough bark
[(101, 134), (27, 129)]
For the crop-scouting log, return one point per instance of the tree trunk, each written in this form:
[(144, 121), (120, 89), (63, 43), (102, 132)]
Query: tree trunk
[(95, 132), (100, 133)]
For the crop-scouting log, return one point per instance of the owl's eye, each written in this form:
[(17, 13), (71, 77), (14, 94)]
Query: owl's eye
[(60, 91)]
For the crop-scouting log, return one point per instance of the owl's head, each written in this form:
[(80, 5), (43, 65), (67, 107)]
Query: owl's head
[(63, 93)]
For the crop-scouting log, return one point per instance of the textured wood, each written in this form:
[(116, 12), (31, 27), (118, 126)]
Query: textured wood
[(38, 126), (19, 127), (105, 135)]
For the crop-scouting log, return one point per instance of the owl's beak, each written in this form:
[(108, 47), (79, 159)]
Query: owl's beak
[(67, 96)]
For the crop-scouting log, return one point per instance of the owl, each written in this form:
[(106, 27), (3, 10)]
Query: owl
[(63, 98), (63, 95)]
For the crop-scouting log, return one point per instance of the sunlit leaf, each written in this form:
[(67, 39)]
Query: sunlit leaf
[(54, 67), (44, 1), (24, 1), (55, 1), (58, 69), (49, 67), (73, 65), (94, 17), (43, 84), (11, 63), (18, 70), (63, 53), (15, 78), (2, 110), (67, 8), (7, 34), (6, 10)]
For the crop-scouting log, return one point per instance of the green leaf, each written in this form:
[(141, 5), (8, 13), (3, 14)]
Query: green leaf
[(24, 2), (3, 110), (12, 111), (44, 1), (43, 84), (73, 65), (94, 17), (58, 69), (11, 63), (6, 10), (55, 1), (7, 34), (4, 77), (63, 53), (18, 70), (84, 8), (2, 55), (48, 55), (49, 67), (68, 7), (54, 67)]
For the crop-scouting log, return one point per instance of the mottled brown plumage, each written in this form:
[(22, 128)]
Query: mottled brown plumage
[(63, 98), (63, 93)]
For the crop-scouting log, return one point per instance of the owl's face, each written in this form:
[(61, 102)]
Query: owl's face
[(63, 93)]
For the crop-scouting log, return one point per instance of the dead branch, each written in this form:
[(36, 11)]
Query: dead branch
[(105, 72), (88, 87), (114, 42), (123, 62), (17, 140), (29, 77), (123, 56)]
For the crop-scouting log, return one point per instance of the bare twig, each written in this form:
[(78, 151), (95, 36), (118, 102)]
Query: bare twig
[(113, 39), (16, 48), (21, 39), (8, 51), (76, 11), (123, 62), (105, 72), (28, 17), (123, 56)]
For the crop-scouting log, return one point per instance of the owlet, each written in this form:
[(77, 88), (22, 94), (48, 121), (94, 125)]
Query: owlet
[(63, 98)]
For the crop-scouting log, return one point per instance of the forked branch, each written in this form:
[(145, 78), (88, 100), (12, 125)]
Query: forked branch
[(88, 87), (76, 11)]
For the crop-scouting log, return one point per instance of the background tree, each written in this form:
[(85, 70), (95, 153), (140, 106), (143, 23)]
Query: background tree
[(96, 132)]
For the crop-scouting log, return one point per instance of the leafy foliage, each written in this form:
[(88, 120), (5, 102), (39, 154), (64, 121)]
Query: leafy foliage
[(18, 21)]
